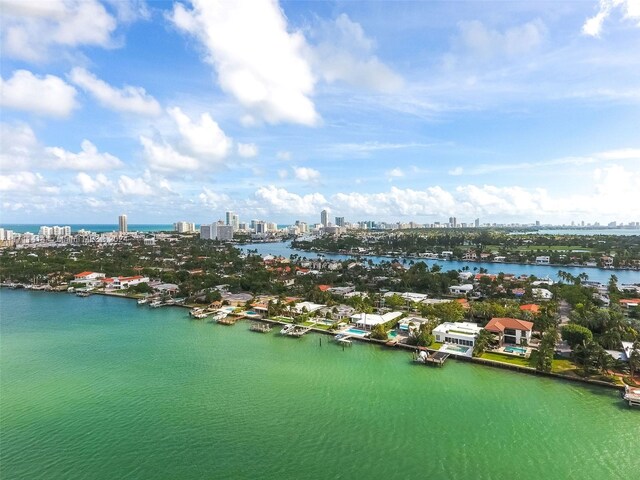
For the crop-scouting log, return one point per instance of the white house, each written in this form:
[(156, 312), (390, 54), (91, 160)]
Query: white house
[(89, 279), (460, 289), (121, 283), (369, 320), (308, 307), (542, 260), (459, 333), (409, 323), (542, 293)]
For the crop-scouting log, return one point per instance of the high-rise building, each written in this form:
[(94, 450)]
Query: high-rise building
[(232, 219), (537, 223), (340, 221), (453, 222), (224, 233), (122, 223), (324, 218), (205, 232), (476, 223), (184, 227)]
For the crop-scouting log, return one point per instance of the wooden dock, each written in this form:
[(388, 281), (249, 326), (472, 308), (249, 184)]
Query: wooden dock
[(343, 339), (229, 320), (430, 358)]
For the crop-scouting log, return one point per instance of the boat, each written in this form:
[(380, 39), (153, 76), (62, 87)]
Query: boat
[(155, 304), (142, 301), (287, 329), (632, 395), (195, 311), (83, 294), (199, 315)]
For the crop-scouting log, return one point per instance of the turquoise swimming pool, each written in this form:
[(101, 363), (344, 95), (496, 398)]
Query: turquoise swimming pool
[(356, 331), (518, 350), (393, 334)]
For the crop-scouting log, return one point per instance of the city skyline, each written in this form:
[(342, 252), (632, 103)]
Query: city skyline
[(418, 113)]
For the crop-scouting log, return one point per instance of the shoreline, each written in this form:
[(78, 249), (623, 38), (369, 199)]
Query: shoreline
[(406, 347), (413, 257)]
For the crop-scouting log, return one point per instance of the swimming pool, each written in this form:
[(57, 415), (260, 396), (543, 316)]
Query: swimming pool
[(393, 334), (519, 350), (457, 348), (356, 331), (251, 312)]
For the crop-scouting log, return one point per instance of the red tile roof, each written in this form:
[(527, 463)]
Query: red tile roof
[(629, 300), (83, 274), (530, 307), (324, 288), (498, 325)]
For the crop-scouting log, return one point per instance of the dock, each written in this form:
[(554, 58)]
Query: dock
[(228, 320), (294, 330), (431, 358), (343, 339), (632, 395), (260, 327)]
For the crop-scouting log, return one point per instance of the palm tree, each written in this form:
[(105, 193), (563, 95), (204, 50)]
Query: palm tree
[(584, 355)]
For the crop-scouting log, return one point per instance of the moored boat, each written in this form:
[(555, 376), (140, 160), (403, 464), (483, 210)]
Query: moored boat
[(632, 395)]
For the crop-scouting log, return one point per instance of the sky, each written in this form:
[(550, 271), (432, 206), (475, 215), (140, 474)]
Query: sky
[(392, 111)]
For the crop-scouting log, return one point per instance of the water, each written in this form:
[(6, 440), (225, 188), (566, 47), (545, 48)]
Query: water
[(92, 227), (587, 231), (100, 388), (540, 271)]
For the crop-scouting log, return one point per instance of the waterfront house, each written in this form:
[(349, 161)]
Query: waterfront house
[(511, 330), (630, 302), (307, 307), (460, 289), (369, 320), (458, 333), (122, 283), (89, 279), (542, 260), (407, 324)]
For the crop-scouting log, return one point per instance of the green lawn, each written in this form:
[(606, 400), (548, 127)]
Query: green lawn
[(562, 365), (435, 346), (513, 360)]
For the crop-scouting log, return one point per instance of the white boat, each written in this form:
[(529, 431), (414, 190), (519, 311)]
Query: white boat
[(632, 395), (83, 294), (155, 304), (195, 311), (142, 301), (199, 315), (287, 329)]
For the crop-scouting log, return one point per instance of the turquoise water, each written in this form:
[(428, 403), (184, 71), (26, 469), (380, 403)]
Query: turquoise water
[(99, 388), (515, 349), (540, 271)]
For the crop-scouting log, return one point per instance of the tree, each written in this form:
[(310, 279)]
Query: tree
[(575, 334), (379, 332), (634, 358), (483, 341), (584, 354), (547, 350)]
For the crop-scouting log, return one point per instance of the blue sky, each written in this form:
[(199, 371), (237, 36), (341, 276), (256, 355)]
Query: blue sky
[(166, 111)]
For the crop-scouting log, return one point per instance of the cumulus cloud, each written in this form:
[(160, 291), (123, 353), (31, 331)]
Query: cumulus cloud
[(26, 182), (283, 155), (306, 174), (134, 186), (395, 173), (204, 137), (31, 29), (90, 185), (163, 157), (344, 53), (213, 200), (127, 99), (44, 95), (20, 149), (89, 158), (272, 199), (630, 10), (247, 150), (257, 60)]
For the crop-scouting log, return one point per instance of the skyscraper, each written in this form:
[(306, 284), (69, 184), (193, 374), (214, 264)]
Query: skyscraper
[(122, 223), (324, 218), (476, 223), (340, 221)]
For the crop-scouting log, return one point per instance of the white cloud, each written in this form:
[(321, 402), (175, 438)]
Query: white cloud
[(90, 185), (44, 95), (213, 200), (18, 145), (202, 138), (630, 11), (164, 157), (247, 150), (344, 53), (278, 200), (485, 43), (395, 173), (127, 99), (26, 182), (31, 29), (456, 171), (134, 186), (87, 159), (282, 173), (283, 155), (257, 60), (306, 174)]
